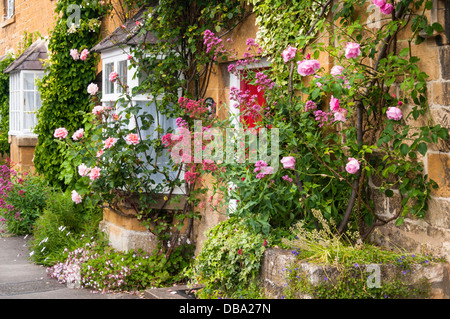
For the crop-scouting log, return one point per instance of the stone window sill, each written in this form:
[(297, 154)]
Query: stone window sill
[(8, 21)]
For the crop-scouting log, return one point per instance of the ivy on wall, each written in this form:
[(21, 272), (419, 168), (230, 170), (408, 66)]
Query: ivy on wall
[(4, 105), (63, 88)]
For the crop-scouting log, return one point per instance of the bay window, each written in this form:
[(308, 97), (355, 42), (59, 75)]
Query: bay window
[(24, 101)]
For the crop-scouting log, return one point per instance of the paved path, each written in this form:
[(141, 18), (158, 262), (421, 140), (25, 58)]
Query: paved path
[(21, 279)]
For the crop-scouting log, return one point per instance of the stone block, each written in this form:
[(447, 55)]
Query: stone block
[(444, 62), (124, 239), (441, 93), (438, 168), (276, 263)]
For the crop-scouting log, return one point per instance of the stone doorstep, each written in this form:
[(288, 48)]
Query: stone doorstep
[(176, 292)]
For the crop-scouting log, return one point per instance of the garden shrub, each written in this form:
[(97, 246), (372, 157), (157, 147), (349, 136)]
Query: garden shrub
[(23, 198), (104, 269), (60, 226), (229, 261)]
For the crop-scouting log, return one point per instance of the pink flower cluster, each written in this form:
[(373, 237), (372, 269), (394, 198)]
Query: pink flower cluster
[(352, 166), (339, 113), (79, 56), (263, 169), (288, 54), (60, 133), (323, 117), (264, 82), (194, 108), (310, 105), (307, 67), (385, 7), (213, 43)]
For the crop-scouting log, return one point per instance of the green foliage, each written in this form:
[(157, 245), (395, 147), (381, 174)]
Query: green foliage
[(63, 88), (24, 203), (59, 228), (4, 105), (134, 270), (229, 261)]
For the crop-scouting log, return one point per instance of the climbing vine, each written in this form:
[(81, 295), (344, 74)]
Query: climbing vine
[(63, 87)]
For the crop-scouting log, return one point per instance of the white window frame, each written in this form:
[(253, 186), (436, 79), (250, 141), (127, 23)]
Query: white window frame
[(9, 9), (234, 112), (114, 56), (17, 101)]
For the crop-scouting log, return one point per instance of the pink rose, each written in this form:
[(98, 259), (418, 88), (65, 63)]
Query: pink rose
[(394, 113), (308, 67), (113, 76), (94, 173), (98, 109), (339, 116), (336, 70), (74, 53), (334, 104), (109, 142), (92, 89), (379, 3), (288, 54), (84, 54), (60, 133), (352, 166), (76, 197), (78, 134), (267, 170), (352, 50), (129, 57), (288, 162), (387, 8), (132, 139), (100, 153), (83, 170)]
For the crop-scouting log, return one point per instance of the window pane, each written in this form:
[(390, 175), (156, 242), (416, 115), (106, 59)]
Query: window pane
[(122, 70), (109, 86), (28, 81)]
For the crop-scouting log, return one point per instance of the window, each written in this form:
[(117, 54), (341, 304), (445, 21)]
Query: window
[(24, 101), (117, 60), (9, 9)]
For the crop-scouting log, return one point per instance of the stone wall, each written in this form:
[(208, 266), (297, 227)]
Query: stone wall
[(432, 233), (277, 262)]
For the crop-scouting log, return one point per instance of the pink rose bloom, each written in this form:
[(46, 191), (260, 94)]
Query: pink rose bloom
[(334, 104), (267, 170), (288, 54), (288, 162), (339, 116), (98, 109), (129, 57), (308, 67), (109, 142), (84, 54), (76, 197), (74, 53), (60, 133), (336, 70), (94, 173), (352, 50), (83, 170), (100, 153), (379, 3), (78, 134), (352, 166), (394, 113), (92, 89), (132, 139), (387, 8), (113, 76)]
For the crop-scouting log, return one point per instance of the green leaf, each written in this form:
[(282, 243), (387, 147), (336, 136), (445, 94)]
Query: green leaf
[(404, 149), (422, 148), (399, 221)]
